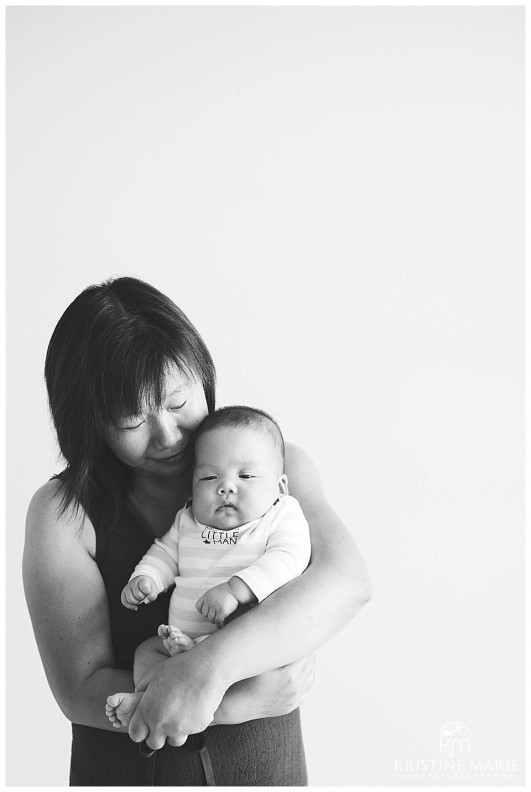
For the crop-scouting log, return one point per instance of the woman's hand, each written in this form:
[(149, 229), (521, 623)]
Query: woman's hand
[(273, 693), (176, 703), (184, 693)]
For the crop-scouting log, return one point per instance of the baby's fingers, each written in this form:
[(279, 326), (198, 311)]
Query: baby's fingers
[(146, 590), (128, 599)]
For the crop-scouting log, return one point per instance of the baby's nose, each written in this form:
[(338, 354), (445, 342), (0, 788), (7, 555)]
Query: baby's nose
[(226, 486)]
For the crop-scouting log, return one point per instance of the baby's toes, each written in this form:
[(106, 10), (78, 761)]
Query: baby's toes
[(112, 716), (163, 631)]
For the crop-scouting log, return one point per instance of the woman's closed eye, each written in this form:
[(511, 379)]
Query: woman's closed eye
[(179, 406), (130, 428)]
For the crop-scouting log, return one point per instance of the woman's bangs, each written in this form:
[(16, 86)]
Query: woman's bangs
[(138, 386)]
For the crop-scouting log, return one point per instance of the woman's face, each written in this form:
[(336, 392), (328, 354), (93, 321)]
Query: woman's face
[(160, 441)]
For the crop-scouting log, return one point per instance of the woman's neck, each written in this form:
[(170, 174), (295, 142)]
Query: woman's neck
[(158, 499)]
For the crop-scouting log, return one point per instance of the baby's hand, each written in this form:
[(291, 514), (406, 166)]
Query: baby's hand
[(217, 603), (139, 589)]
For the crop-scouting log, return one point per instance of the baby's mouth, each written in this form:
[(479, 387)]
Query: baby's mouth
[(227, 505)]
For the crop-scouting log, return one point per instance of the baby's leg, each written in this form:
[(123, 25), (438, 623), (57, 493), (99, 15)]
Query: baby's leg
[(120, 708), (174, 639), (148, 656)]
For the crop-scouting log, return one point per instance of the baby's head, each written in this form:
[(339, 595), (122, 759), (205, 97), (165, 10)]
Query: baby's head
[(239, 467)]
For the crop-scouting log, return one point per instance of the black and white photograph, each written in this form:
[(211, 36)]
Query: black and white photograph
[(265, 428)]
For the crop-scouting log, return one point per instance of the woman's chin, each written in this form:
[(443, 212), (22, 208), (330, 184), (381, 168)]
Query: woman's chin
[(170, 465)]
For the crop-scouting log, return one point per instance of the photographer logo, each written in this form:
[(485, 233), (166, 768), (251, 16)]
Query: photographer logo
[(456, 761), (455, 740)]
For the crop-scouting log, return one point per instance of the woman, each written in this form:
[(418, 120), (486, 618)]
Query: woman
[(129, 379)]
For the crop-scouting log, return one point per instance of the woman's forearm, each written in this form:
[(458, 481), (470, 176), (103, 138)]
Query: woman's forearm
[(86, 704), (274, 693), (295, 620)]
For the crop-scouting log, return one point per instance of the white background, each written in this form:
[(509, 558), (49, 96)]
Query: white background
[(335, 198)]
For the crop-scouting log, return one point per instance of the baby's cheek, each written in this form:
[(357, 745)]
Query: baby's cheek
[(201, 509)]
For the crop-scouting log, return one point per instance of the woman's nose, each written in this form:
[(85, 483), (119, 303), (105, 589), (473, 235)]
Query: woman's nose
[(166, 430)]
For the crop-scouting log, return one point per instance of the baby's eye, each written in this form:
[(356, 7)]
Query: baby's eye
[(246, 476), (207, 478)]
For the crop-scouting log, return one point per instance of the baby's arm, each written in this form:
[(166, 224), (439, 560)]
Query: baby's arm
[(157, 570), (287, 553)]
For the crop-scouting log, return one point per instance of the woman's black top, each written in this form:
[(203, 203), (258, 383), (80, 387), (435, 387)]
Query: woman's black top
[(264, 752)]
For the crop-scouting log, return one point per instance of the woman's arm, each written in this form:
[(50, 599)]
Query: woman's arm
[(289, 624), (68, 607), (67, 602), (268, 695)]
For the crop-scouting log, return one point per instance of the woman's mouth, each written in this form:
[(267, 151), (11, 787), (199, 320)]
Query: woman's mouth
[(171, 458)]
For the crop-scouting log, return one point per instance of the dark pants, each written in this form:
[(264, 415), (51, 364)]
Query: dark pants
[(266, 752)]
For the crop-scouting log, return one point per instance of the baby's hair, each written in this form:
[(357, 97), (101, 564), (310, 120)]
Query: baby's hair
[(241, 416)]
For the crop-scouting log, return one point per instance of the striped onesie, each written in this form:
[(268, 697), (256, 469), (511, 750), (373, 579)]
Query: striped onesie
[(265, 553)]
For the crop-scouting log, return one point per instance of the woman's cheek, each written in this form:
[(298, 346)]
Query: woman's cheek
[(131, 448)]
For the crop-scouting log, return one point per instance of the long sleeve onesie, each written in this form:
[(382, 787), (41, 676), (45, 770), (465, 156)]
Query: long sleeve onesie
[(265, 553)]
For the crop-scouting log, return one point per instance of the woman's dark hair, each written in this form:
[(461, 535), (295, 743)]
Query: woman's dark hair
[(107, 358)]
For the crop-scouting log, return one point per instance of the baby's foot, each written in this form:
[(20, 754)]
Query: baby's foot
[(120, 708), (174, 639)]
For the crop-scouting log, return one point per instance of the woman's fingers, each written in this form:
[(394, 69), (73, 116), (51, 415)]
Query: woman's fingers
[(298, 680), (154, 738), (155, 741), (177, 740), (139, 732), (309, 674), (138, 728)]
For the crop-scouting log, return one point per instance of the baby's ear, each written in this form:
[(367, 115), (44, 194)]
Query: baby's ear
[(283, 484)]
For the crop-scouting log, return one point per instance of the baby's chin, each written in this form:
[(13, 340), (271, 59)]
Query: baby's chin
[(227, 523), (226, 520)]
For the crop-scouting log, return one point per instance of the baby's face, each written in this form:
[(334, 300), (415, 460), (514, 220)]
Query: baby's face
[(236, 476)]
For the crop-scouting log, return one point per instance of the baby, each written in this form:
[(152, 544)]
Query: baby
[(238, 539)]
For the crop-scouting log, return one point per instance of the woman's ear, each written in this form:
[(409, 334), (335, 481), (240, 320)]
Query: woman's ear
[(283, 484)]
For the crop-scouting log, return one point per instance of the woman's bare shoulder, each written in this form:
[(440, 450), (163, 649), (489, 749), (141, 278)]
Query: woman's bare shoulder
[(297, 456), (302, 472), (292, 450), (45, 521), (46, 496)]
